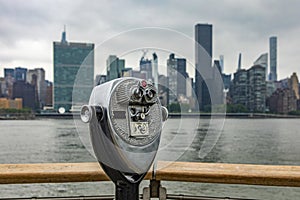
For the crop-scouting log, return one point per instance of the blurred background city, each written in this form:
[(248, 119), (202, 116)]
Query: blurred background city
[(253, 88)]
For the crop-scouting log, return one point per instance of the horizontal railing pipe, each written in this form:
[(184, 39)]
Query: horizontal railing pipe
[(268, 175)]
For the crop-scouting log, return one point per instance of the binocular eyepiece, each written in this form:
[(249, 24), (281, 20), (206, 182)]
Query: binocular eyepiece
[(143, 93)]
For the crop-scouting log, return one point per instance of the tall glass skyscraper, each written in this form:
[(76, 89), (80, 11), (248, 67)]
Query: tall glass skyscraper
[(203, 54), (273, 59), (20, 74), (177, 75), (114, 67), (69, 59)]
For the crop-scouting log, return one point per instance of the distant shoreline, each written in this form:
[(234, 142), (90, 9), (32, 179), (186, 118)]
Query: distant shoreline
[(13, 116), (179, 115), (233, 115), (171, 115)]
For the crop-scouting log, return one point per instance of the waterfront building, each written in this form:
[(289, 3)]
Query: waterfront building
[(9, 76), (49, 94), (172, 79), (27, 92), (203, 63), (9, 72), (262, 60), (283, 101), (291, 83), (114, 67), (69, 59), (11, 103), (36, 77), (257, 89), (283, 83), (249, 88), (2, 87), (286, 96), (226, 81), (239, 89), (294, 84), (181, 76), (271, 88), (177, 75), (273, 58)]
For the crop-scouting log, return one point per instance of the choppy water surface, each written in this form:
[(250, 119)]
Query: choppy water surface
[(255, 141)]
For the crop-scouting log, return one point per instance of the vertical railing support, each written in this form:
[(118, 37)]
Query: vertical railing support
[(155, 190)]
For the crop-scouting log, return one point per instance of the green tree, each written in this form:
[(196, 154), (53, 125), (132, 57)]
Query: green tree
[(236, 108), (178, 107)]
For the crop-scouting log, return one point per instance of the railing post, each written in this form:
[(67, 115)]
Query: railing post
[(155, 190)]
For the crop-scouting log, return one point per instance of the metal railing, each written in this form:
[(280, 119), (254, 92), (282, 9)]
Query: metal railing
[(111, 197)]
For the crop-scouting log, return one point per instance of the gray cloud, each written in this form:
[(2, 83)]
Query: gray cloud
[(239, 26)]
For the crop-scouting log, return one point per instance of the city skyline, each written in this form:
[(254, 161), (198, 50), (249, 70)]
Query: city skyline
[(238, 27), (164, 54)]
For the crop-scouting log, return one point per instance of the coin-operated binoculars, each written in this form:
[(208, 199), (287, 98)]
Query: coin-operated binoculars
[(125, 122)]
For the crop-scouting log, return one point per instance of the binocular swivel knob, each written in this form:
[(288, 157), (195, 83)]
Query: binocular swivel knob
[(86, 114)]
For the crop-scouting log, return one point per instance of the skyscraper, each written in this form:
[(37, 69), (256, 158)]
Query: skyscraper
[(239, 88), (222, 63), (176, 71), (262, 60), (26, 92), (36, 77), (240, 62), (114, 67), (68, 58), (155, 70), (146, 67), (9, 72), (9, 76), (256, 88), (20, 74), (273, 59), (249, 88), (294, 84), (203, 54)]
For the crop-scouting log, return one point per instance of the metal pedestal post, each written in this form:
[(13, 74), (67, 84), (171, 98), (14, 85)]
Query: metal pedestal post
[(127, 191)]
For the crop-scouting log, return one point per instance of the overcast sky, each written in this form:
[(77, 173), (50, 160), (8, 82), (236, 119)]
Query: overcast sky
[(28, 28)]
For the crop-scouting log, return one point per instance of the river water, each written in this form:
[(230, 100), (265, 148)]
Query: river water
[(251, 141)]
